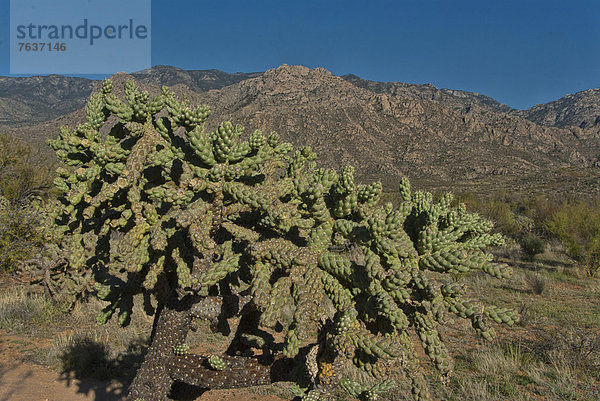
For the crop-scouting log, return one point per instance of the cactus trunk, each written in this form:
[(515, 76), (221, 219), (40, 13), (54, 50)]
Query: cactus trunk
[(162, 367), (153, 380)]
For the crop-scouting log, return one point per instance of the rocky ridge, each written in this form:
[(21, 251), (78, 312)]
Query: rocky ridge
[(581, 110), (31, 100), (384, 130)]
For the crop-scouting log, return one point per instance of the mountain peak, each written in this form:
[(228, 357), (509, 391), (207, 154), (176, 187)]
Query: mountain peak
[(292, 83), (297, 71), (581, 109)]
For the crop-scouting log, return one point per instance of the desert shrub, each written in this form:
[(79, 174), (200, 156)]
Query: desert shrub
[(536, 282), (329, 283), (514, 215), (21, 234), (505, 220), (539, 209), (24, 183), (575, 350), (577, 226), (23, 172), (532, 245)]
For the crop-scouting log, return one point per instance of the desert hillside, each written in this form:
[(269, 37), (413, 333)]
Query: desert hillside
[(387, 130)]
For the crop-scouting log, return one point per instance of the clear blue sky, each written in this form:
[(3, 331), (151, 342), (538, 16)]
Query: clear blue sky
[(519, 52)]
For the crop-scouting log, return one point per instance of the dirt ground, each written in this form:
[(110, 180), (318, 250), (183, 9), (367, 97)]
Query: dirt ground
[(26, 381), (29, 382)]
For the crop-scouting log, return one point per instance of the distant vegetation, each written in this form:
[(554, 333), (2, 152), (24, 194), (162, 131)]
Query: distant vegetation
[(533, 221), (24, 172), (578, 228), (25, 179)]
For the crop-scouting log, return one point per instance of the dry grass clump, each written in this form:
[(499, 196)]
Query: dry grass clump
[(21, 311), (575, 350), (565, 368), (536, 282)]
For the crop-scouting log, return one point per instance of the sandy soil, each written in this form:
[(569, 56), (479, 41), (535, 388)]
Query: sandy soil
[(28, 382), (25, 381)]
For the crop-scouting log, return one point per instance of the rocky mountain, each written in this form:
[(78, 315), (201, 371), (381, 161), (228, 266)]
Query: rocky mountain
[(195, 80), (440, 138), (455, 99), (581, 109), (392, 134), (30, 100)]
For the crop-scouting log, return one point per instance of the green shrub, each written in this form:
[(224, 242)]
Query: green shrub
[(497, 208), (513, 215), (25, 179), (532, 245), (23, 173), (577, 226), (539, 209), (20, 233)]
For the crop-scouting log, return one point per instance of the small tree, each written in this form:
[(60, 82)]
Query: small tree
[(199, 224), (577, 226)]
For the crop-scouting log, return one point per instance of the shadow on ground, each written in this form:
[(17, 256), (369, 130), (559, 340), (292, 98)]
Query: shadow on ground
[(88, 365)]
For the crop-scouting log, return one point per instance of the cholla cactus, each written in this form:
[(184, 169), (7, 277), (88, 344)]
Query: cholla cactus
[(205, 224)]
